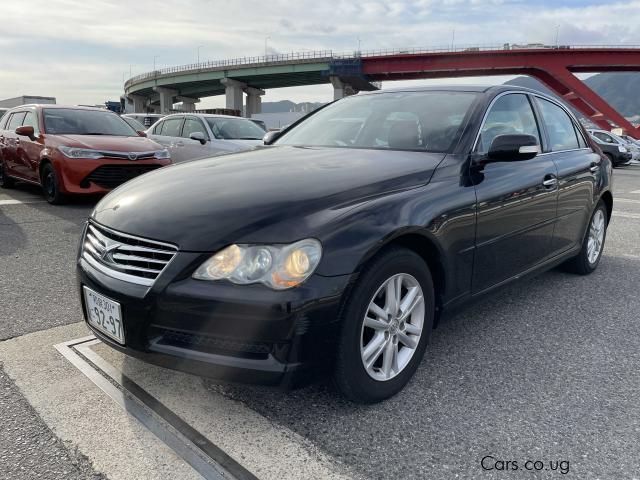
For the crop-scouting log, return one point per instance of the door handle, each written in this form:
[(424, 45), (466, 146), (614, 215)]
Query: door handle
[(550, 181), (179, 144), (594, 167)]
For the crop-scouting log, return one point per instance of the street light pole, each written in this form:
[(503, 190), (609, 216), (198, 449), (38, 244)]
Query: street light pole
[(199, 47), (453, 39), (266, 39), (155, 57), (557, 33)]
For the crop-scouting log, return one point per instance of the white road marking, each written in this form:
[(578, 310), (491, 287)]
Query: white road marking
[(626, 215), (19, 202), (635, 191), (626, 200)]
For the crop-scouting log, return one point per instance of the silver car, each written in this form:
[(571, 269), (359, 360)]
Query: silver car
[(189, 136)]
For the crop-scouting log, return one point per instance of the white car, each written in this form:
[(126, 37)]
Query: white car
[(190, 136)]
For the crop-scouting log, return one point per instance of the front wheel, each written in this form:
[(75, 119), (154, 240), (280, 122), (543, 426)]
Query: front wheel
[(51, 185), (592, 245), (387, 321)]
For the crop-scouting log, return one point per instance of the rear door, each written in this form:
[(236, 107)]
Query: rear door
[(517, 200), (578, 171), (167, 133)]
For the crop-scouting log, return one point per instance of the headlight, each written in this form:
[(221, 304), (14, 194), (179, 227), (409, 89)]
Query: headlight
[(622, 149), (162, 154), (277, 266), (72, 152)]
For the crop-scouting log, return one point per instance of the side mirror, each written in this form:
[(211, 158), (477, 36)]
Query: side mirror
[(270, 137), (199, 136), (26, 131), (141, 133), (513, 148)]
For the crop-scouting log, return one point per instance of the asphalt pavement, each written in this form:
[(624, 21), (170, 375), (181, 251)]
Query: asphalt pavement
[(544, 371)]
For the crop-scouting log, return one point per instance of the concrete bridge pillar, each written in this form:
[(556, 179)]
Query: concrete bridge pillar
[(340, 88), (166, 98), (233, 92), (139, 103), (188, 103), (254, 101)]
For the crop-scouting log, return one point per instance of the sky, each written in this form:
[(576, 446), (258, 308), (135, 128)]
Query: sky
[(80, 51)]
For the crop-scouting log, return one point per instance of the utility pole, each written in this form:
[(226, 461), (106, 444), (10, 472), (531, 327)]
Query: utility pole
[(453, 39), (557, 33), (266, 39)]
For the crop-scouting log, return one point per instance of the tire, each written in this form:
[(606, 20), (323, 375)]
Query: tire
[(584, 263), (5, 181), (51, 185), (383, 380)]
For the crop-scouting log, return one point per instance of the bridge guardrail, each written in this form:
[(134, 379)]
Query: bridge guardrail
[(329, 55)]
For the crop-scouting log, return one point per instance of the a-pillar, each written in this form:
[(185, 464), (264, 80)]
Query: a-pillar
[(166, 98), (233, 91), (254, 101), (341, 89)]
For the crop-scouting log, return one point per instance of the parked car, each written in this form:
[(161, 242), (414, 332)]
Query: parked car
[(73, 150), (135, 124), (260, 123), (322, 253), (3, 111), (613, 147), (198, 135), (622, 152), (146, 119)]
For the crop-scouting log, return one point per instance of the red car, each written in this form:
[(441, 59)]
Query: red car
[(73, 150)]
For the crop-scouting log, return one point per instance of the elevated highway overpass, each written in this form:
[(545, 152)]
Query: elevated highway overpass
[(355, 71)]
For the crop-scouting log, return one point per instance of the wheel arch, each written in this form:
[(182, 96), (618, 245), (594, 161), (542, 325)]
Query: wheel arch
[(421, 243)]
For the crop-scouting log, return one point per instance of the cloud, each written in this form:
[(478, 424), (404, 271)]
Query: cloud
[(79, 50)]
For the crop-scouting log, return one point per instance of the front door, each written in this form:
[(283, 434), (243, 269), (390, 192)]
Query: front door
[(28, 151), (516, 201), (167, 133)]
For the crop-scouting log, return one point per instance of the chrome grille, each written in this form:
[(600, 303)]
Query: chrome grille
[(126, 257)]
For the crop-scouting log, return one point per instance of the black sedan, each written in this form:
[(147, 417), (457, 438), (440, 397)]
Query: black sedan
[(337, 248)]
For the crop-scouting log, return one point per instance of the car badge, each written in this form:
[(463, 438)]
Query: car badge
[(133, 156)]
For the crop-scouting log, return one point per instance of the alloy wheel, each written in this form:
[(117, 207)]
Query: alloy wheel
[(596, 237), (392, 327)]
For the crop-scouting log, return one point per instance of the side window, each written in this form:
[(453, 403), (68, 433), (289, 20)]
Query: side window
[(604, 137), (171, 127), (562, 134), (510, 114), (157, 128), (16, 120), (31, 120), (581, 141), (192, 125)]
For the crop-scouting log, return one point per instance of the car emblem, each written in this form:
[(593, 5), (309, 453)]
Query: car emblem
[(106, 252), (133, 156)]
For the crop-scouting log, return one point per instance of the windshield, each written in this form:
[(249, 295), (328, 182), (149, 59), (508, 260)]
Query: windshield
[(70, 121), (234, 129), (422, 121)]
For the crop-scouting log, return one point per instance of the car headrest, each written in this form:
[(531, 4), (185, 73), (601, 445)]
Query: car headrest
[(404, 135)]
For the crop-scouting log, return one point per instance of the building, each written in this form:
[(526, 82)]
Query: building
[(25, 99)]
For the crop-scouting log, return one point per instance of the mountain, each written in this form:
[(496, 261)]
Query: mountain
[(289, 106), (620, 89)]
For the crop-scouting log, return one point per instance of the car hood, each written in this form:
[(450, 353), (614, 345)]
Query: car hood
[(109, 142), (240, 145), (204, 204)]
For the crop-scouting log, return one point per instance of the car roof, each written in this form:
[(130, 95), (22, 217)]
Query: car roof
[(66, 107), (137, 114), (204, 115), (497, 88)]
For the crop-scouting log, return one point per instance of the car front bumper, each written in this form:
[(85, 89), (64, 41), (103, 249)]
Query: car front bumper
[(233, 333)]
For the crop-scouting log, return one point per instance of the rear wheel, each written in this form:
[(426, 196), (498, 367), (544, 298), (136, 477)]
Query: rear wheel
[(51, 185), (592, 245), (387, 322), (5, 181)]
